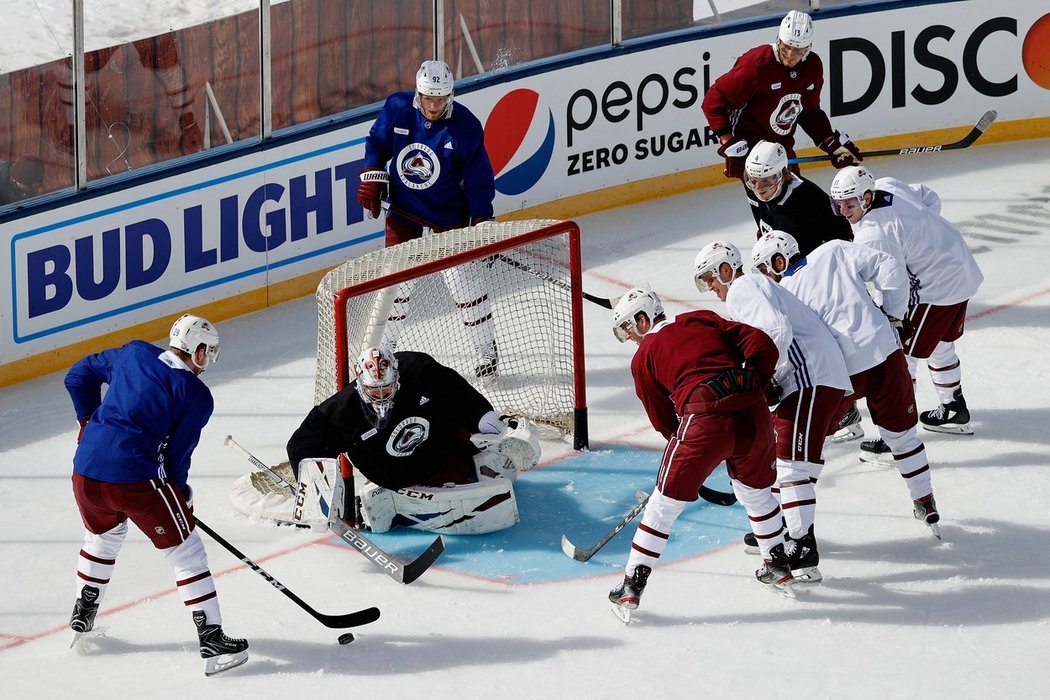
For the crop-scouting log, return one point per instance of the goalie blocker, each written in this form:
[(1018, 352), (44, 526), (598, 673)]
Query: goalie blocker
[(486, 505)]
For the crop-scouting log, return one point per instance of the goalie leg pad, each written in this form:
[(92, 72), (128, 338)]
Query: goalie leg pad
[(460, 509), (313, 494)]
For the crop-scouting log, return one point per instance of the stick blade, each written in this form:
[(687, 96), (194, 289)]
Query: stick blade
[(415, 568)]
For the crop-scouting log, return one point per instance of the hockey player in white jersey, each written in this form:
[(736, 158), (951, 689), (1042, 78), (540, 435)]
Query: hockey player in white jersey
[(904, 220), (831, 281), (809, 384)]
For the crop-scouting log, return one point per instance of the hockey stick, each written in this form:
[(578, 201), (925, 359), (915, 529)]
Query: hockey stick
[(574, 552), (354, 619), (604, 302), (975, 133), (392, 567), (719, 498)]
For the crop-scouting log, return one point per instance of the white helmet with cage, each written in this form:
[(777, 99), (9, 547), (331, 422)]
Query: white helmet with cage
[(633, 302), (852, 182), (709, 260), (434, 79), (377, 380), (796, 30), (769, 246), (764, 168), (189, 332)]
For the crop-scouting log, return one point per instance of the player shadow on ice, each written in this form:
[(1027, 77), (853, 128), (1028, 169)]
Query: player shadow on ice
[(374, 654), (978, 576)]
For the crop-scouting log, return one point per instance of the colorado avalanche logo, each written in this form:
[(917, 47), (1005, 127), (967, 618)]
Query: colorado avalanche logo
[(418, 166), (782, 120), (519, 141), (407, 436)]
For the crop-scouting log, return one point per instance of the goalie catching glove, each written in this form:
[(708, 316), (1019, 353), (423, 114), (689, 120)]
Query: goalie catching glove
[(506, 445)]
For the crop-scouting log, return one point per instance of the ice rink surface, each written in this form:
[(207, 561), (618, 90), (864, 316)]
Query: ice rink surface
[(899, 615)]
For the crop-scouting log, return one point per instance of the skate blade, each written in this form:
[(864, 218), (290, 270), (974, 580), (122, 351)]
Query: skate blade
[(848, 434), (624, 614), (748, 549), (884, 460), (950, 428), (808, 576), (74, 639), (935, 528), (224, 662)]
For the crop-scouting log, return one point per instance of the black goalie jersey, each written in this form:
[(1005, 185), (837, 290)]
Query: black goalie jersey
[(424, 441)]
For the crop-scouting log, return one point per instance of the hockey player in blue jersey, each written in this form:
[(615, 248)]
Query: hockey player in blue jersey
[(132, 463), (427, 152)]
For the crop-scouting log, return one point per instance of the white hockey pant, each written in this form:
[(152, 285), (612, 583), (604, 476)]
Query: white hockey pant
[(652, 534), (797, 482), (909, 456), (763, 510)]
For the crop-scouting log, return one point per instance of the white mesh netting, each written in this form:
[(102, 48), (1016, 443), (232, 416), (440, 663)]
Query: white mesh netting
[(527, 313)]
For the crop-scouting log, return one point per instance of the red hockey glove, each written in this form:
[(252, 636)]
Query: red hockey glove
[(373, 189), (82, 422), (773, 393), (734, 151), (843, 152)]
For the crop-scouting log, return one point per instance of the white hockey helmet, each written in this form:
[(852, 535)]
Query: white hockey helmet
[(764, 168), (708, 261), (377, 380), (796, 30), (434, 78), (770, 245), (852, 182), (633, 302), (189, 332)]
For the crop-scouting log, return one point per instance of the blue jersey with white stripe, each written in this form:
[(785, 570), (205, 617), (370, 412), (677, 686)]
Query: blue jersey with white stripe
[(150, 419)]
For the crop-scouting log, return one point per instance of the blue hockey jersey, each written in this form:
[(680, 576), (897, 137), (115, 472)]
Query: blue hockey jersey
[(439, 171), (149, 421)]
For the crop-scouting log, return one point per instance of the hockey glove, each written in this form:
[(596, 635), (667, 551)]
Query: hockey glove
[(82, 422), (475, 220), (373, 190), (187, 493), (774, 392), (735, 152), (843, 152)]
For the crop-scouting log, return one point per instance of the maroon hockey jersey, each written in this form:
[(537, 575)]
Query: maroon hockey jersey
[(676, 357), (759, 99)]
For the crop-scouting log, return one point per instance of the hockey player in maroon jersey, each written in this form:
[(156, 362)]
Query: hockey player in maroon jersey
[(691, 377), (769, 91)]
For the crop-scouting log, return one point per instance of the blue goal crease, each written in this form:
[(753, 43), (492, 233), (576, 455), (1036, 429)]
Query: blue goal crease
[(583, 497)]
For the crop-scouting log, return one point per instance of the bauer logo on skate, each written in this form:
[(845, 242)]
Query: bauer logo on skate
[(519, 138)]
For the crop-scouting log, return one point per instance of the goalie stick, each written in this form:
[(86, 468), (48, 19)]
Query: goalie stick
[(354, 619), (390, 565), (975, 133), (604, 302)]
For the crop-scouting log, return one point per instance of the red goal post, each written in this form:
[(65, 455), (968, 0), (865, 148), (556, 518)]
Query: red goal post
[(530, 271)]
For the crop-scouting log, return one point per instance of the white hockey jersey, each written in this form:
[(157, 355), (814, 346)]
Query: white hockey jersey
[(831, 281), (901, 222), (809, 355)]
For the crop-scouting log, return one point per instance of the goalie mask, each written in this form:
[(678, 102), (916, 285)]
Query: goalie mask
[(708, 263), (377, 381), (768, 247), (434, 89), (632, 303), (189, 332)]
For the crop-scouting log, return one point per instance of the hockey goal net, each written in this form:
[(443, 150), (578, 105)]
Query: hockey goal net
[(518, 282)]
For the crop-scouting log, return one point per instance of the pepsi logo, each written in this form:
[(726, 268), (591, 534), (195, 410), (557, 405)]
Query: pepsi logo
[(519, 139)]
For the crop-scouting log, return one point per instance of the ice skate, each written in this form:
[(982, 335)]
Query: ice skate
[(876, 452), (84, 610), (487, 362), (803, 558), (952, 417), (849, 426), (751, 544), (220, 653), (775, 572), (627, 595), (925, 509)]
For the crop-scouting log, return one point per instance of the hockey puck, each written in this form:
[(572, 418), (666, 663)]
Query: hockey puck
[(346, 638)]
